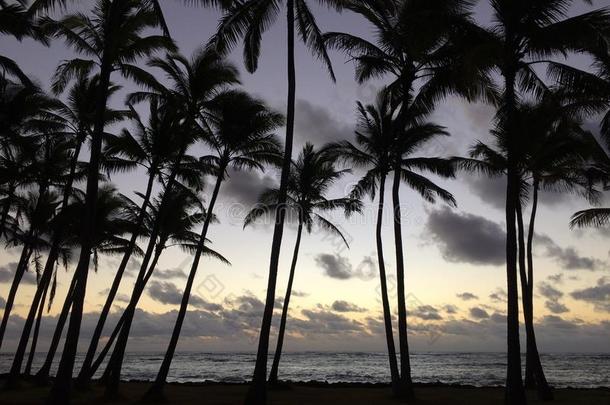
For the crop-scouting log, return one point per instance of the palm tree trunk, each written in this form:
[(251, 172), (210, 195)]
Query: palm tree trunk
[(60, 393), (537, 377), (387, 314), (112, 373), (257, 393), (28, 365), (19, 272), (102, 355), (42, 376), (406, 384), (157, 387), (515, 394), (82, 379), (47, 273), (280, 337)]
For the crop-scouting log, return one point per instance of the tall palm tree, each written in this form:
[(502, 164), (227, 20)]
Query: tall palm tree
[(425, 63), (311, 176), (385, 145), (247, 21), (552, 156), (524, 33), (113, 36), (241, 137)]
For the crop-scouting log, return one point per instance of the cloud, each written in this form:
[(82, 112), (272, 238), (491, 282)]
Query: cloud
[(548, 291), (245, 187), (556, 278), (467, 238), (297, 293), (2, 302), (169, 274), (499, 295), (7, 274), (450, 309), (491, 190), (598, 295), (478, 313), (426, 313), (466, 296), (340, 268), (568, 258), (344, 306), (556, 307), (325, 322), (315, 124), (168, 294)]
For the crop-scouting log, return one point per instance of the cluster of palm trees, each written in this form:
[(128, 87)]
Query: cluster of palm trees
[(426, 50)]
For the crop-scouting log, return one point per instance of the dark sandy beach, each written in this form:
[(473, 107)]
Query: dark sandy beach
[(306, 393)]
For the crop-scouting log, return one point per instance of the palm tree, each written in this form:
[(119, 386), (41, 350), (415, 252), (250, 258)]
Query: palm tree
[(425, 62), (151, 147), (248, 20), (523, 34), (311, 176), (241, 137), (112, 35), (385, 145), (551, 157)]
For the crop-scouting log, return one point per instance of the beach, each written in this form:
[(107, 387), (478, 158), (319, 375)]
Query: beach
[(304, 393)]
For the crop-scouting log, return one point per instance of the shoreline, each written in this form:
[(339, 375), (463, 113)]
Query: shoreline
[(309, 392)]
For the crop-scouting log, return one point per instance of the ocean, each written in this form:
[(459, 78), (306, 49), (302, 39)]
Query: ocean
[(478, 369)]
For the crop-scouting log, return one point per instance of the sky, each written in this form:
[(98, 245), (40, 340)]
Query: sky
[(455, 271)]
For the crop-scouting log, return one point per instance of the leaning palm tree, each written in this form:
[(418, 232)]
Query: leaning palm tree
[(113, 37), (311, 176), (425, 63), (524, 33), (247, 21), (241, 137)]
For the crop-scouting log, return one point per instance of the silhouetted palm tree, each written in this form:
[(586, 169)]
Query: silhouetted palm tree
[(425, 62), (113, 36), (247, 21), (241, 137), (311, 176), (524, 33)]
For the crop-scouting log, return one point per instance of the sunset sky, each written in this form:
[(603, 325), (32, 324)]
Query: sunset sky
[(455, 276)]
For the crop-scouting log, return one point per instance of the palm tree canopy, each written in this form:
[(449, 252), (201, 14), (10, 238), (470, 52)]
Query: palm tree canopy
[(311, 176)]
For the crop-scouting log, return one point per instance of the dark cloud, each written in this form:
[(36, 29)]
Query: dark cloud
[(548, 291), (2, 302), (568, 258), (450, 309), (298, 293), (478, 313), (556, 278), (167, 293), (7, 274), (467, 238), (314, 123), (426, 313), (556, 307), (169, 274), (344, 306), (340, 267), (325, 322), (466, 296), (598, 295), (499, 295), (491, 190), (244, 187)]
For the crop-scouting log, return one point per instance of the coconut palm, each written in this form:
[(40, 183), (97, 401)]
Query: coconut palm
[(524, 33), (384, 145), (241, 137), (425, 63), (552, 157), (113, 37), (311, 176), (247, 21)]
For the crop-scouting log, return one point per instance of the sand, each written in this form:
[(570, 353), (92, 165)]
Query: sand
[(303, 393)]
